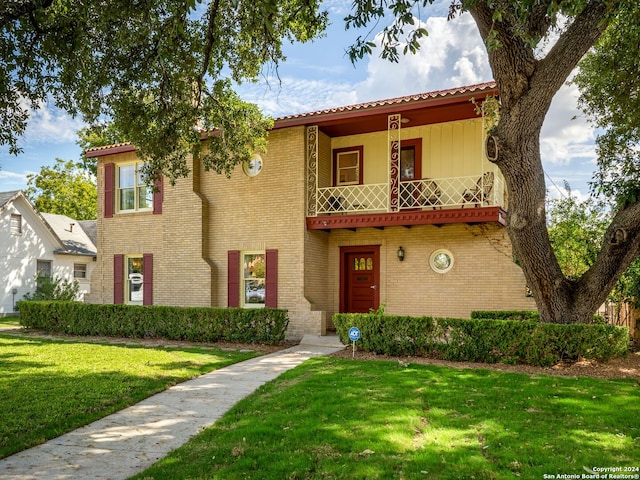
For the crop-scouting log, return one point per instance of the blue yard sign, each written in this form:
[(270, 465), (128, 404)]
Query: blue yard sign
[(354, 334)]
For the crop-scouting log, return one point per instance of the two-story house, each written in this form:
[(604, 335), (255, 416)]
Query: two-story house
[(36, 244), (384, 204)]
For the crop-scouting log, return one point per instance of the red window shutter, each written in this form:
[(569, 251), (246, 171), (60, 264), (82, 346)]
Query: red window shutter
[(147, 279), (233, 278), (158, 196), (118, 279), (109, 180), (271, 293)]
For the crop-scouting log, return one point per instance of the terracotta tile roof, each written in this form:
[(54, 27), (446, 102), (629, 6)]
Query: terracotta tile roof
[(346, 110), (108, 147), (396, 101)]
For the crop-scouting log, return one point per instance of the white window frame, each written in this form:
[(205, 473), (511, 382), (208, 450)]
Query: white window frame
[(40, 263), (15, 224), (435, 261), (80, 271), (246, 279), (127, 284), (137, 186)]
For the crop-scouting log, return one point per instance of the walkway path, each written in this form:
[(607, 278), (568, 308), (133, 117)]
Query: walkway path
[(129, 441)]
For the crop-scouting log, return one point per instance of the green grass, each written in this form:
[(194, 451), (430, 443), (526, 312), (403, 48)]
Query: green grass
[(342, 419), (9, 322), (51, 387)]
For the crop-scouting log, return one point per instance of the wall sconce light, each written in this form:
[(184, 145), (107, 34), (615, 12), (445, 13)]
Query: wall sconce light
[(400, 254)]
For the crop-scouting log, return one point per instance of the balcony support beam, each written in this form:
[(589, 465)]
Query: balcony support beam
[(408, 219)]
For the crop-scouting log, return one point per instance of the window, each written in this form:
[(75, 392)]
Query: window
[(254, 279), (441, 261), (347, 166), (43, 268), (134, 280), (16, 224), (132, 193), (79, 270), (411, 159)]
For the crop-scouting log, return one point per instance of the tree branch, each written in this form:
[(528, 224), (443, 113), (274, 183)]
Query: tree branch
[(13, 11), (208, 49), (571, 46)]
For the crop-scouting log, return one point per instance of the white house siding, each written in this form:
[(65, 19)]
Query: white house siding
[(19, 255)]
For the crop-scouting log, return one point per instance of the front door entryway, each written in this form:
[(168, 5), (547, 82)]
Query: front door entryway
[(359, 279)]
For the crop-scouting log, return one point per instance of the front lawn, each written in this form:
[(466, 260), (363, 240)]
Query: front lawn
[(342, 419), (9, 322), (50, 387)]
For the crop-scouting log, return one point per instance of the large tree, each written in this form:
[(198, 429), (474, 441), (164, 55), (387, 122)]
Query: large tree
[(65, 189), (156, 68), (533, 46), (160, 70)]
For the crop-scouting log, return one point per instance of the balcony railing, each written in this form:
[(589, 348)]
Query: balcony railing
[(430, 193)]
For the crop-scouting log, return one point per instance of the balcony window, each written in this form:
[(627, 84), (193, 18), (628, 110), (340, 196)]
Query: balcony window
[(411, 159), (347, 166)]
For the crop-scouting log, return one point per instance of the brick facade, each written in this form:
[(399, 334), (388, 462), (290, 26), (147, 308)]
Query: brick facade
[(207, 215)]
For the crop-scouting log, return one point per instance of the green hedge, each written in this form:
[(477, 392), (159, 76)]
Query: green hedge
[(483, 340), (529, 315), (198, 324)]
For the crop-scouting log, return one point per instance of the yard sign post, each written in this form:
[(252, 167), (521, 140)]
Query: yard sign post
[(354, 335)]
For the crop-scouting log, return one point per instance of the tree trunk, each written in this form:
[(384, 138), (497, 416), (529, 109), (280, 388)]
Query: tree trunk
[(527, 86)]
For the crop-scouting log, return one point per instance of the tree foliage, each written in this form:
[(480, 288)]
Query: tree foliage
[(161, 70), (533, 46), (576, 231), (65, 188), (609, 82), (97, 135)]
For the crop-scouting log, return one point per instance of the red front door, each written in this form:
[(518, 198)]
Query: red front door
[(359, 279)]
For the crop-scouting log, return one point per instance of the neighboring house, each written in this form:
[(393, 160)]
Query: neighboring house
[(384, 204), (33, 242)]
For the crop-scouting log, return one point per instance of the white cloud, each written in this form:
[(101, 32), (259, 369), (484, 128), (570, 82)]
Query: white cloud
[(295, 95), (451, 55), (566, 134), (49, 124), (12, 180)]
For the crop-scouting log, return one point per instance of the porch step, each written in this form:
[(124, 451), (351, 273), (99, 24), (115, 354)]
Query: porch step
[(322, 340)]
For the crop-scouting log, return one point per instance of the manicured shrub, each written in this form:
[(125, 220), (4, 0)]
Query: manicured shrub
[(530, 315), (198, 324), (483, 340)]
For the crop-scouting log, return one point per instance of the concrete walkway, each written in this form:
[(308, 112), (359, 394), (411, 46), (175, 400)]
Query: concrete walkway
[(131, 440)]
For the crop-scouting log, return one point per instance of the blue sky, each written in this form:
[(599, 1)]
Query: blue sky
[(319, 75)]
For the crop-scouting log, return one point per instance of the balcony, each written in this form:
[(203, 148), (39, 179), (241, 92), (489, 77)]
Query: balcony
[(467, 199)]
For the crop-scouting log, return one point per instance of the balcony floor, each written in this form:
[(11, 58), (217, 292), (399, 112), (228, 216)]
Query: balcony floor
[(408, 218)]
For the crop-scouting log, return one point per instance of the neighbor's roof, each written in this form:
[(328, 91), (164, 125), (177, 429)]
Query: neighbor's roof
[(6, 197), (71, 234)]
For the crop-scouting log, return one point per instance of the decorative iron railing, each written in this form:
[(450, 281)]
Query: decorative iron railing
[(428, 193)]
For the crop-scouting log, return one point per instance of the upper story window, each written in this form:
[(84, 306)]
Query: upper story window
[(16, 224), (411, 159), (347, 166), (133, 194)]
